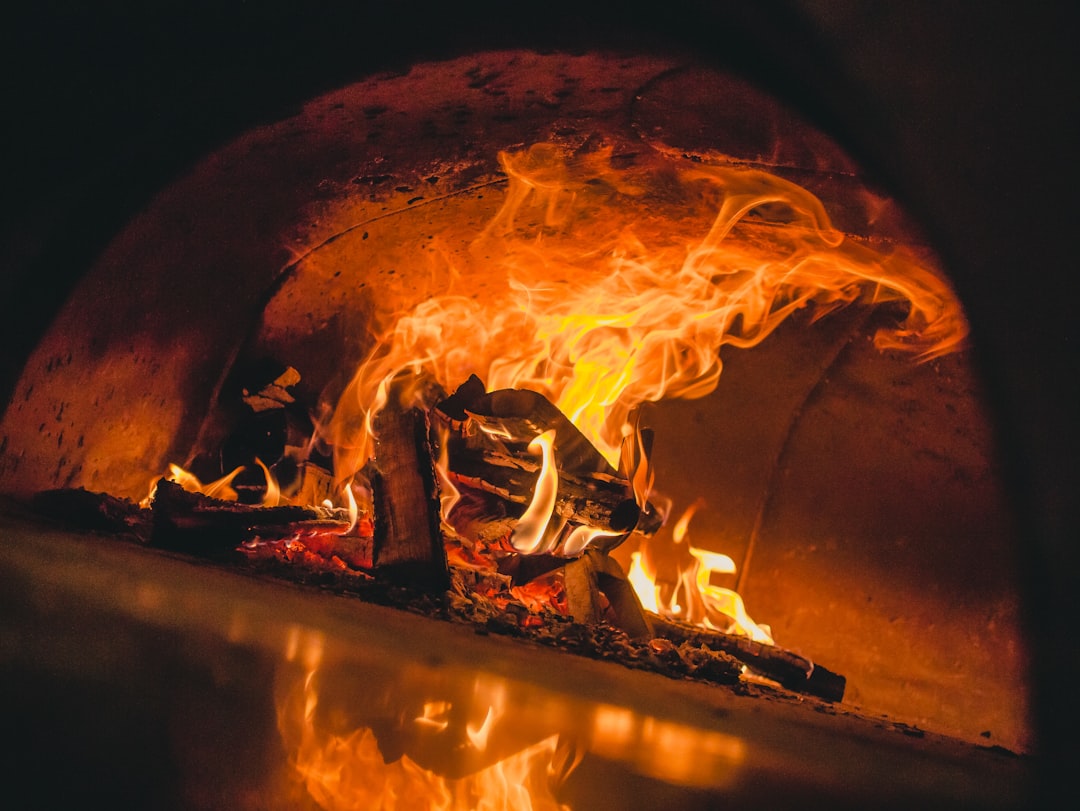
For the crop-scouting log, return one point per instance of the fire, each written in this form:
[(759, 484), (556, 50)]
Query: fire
[(531, 530), (219, 488), (616, 282), (689, 594), (345, 770), (623, 284)]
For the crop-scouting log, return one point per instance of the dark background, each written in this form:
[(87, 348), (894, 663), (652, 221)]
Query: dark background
[(965, 110)]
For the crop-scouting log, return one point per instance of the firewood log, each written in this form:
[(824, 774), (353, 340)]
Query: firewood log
[(408, 546)]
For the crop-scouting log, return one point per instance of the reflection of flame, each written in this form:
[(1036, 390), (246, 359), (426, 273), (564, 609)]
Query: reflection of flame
[(344, 772), (623, 284)]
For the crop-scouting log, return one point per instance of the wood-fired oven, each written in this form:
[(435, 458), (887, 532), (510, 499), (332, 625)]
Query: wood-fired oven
[(233, 213)]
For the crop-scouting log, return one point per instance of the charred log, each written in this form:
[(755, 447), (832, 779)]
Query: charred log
[(789, 669), (192, 522)]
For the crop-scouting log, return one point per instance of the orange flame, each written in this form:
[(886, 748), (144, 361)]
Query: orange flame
[(622, 285), (219, 488), (702, 602)]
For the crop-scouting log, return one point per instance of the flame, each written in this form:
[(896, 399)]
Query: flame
[(219, 488), (272, 496), (529, 534), (643, 582), (702, 602), (343, 771), (622, 285)]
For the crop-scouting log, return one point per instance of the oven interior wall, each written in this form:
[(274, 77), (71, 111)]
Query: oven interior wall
[(868, 484)]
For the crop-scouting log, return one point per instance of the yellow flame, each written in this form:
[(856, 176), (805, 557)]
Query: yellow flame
[(529, 534), (644, 583), (622, 285), (694, 598), (726, 602), (219, 488), (354, 510), (581, 536), (272, 496), (435, 715), (449, 495), (478, 736)]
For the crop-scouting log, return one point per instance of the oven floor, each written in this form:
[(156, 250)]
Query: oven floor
[(139, 679)]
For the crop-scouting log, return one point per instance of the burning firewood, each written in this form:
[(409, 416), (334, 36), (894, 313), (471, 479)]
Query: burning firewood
[(488, 451), (408, 545), (192, 522)]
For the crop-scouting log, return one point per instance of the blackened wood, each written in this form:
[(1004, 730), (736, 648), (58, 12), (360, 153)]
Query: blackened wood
[(791, 670), (408, 546), (192, 522), (94, 511)]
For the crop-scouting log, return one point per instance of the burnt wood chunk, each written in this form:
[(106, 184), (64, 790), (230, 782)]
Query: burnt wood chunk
[(582, 591), (192, 522), (795, 672), (94, 511), (408, 546), (611, 580)]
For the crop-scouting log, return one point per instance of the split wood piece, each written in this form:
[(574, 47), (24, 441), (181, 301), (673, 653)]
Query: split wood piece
[(595, 573), (795, 672), (408, 547), (192, 522)]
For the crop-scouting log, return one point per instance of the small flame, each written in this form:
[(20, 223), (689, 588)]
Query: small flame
[(449, 495), (435, 716), (529, 534), (581, 536), (272, 496), (219, 488)]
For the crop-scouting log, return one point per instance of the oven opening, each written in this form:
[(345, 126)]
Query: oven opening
[(563, 341)]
